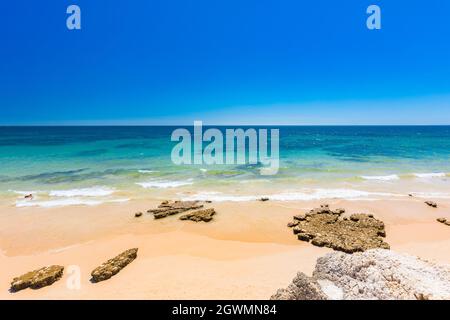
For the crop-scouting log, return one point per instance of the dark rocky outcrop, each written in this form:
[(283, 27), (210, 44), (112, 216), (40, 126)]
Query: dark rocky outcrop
[(138, 214), (431, 204), (325, 228), (167, 208), (205, 215), (263, 199), (38, 278), (114, 265)]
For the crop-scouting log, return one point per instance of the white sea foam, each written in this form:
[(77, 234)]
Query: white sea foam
[(319, 194), (203, 169), (316, 194), (163, 184), (119, 200), (430, 175), (147, 171), (382, 178), (64, 202), (23, 193), (84, 192), (427, 195), (254, 181), (217, 196), (58, 203)]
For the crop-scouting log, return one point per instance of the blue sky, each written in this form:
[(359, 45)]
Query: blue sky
[(234, 61)]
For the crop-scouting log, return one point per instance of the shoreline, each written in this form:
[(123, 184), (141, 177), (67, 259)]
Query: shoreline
[(246, 252)]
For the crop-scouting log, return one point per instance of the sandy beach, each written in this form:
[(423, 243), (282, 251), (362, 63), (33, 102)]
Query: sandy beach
[(225, 150), (246, 252)]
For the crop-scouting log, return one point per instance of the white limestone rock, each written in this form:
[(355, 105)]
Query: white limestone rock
[(375, 274)]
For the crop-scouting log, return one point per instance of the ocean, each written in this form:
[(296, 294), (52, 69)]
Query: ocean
[(91, 165)]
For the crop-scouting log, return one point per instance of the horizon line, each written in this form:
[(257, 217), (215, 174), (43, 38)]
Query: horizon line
[(222, 125)]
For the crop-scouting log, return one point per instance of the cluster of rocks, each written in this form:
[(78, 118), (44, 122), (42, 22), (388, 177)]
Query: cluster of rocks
[(444, 221), (326, 228), (431, 204), (167, 208), (373, 274), (48, 275), (114, 265), (37, 278)]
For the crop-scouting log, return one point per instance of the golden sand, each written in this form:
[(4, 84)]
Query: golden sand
[(246, 252)]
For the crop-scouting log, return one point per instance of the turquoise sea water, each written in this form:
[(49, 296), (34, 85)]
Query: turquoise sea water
[(90, 165)]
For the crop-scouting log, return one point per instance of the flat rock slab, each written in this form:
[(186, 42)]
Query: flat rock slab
[(38, 278), (326, 228), (444, 221), (167, 208), (205, 215), (114, 265), (431, 204)]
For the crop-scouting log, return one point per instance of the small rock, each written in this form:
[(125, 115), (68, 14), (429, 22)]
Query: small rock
[(300, 217), (114, 265), (264, 199), (296, 230), (292, 224), (303, 237), (319, 242), (138, 214), (421, 296), (205, 215), (38, 278), (339, 211), (382, 233), (29, 196), (441, 220), (431, 204)]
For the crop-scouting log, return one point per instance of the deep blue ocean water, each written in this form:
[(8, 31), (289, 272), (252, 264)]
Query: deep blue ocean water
[(127, 160)]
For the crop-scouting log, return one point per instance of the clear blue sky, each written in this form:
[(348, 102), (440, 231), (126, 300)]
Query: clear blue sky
[(227, 61)]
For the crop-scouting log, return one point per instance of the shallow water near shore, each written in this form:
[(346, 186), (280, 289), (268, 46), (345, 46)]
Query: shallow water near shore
[(64, 166)]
